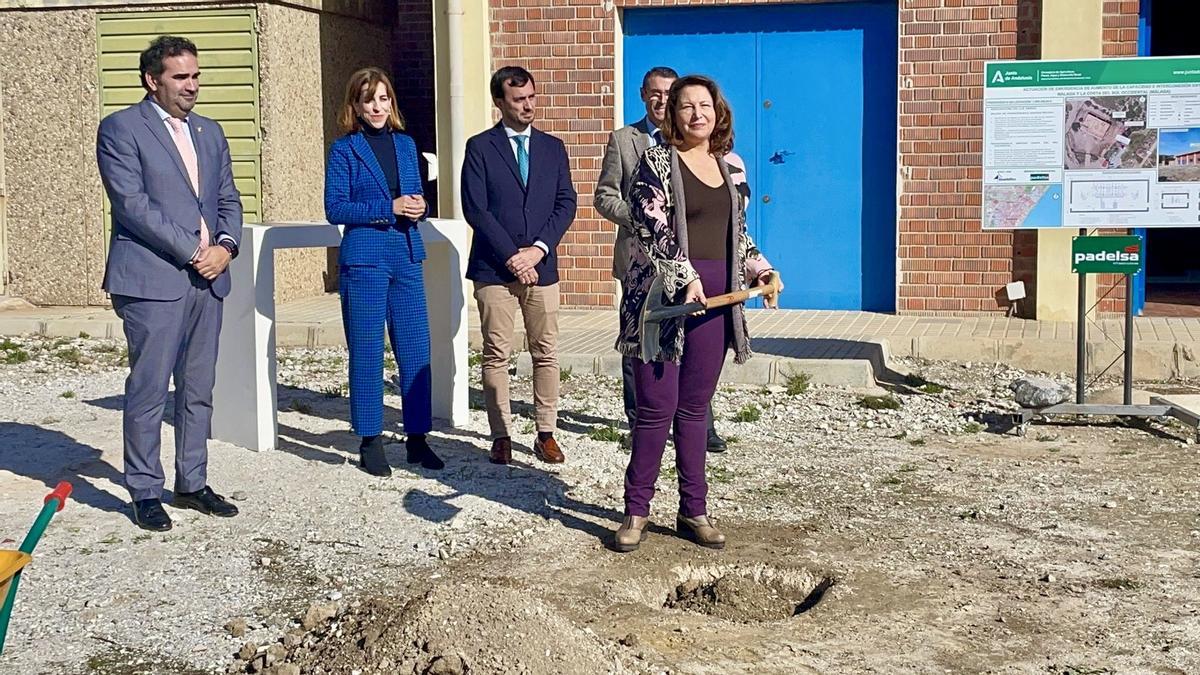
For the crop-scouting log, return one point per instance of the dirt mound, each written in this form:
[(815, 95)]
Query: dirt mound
[(450, 630)]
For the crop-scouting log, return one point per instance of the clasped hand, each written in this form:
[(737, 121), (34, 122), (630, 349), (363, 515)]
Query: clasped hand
[(409, 206), (523, 264), (211, 262)]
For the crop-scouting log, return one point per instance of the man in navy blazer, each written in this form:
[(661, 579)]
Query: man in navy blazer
[(176, 224), (518, 197)]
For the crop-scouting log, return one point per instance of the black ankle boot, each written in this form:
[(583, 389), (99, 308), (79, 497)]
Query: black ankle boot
[(372, 458), (419, 452)]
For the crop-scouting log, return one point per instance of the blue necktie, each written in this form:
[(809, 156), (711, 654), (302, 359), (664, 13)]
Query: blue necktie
[(522, 159), (656, 135)]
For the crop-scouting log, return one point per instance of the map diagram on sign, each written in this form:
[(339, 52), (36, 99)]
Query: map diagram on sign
[(1109, 132), (1007, 207)]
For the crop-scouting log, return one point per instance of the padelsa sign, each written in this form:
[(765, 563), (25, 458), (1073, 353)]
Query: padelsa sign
[(1120, 255)]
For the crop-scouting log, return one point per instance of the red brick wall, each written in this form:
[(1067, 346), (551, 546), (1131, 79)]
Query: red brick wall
[(948, 265), (568, 47)]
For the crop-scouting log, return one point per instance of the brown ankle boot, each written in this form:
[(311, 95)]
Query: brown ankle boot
[(629, 536), (700, 530)]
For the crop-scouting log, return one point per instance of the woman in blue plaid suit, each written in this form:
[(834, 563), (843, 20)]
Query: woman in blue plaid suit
[(373, 187)]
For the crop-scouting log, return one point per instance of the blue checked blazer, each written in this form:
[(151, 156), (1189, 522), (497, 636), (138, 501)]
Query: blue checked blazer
[(357, 196)]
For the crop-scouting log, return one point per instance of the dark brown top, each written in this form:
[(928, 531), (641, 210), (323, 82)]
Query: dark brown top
[(708, 217)]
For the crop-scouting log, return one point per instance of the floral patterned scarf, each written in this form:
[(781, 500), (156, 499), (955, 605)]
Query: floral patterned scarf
[(659, 248)]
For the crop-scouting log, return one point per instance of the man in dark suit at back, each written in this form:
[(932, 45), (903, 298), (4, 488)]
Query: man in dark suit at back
[(176, 224), (518, 198)]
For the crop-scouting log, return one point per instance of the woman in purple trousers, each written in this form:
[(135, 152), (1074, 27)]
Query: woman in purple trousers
[(688, 203)]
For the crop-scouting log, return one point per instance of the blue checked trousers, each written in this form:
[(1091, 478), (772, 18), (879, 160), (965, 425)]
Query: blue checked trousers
[(391, 291)]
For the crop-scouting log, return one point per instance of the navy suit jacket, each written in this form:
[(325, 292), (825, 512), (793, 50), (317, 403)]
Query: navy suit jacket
[(507, 216), (357, 196), (155, 212)]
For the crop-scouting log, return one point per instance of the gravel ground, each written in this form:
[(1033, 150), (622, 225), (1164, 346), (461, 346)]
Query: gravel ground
[(937, 544)]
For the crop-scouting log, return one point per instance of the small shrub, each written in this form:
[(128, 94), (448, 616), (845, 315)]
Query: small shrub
[(973, 428), (797, 383), (718, 474), (887, 402), (915, 380), (1119, 584), (70, 355), (475, 359), (748, 413), (302, 407), (333, 391), (67, 394), (83, 335), (932, 388), (564, 374), (12, 353), (607, 433)]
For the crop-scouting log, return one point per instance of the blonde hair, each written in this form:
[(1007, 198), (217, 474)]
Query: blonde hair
[(368, 79)]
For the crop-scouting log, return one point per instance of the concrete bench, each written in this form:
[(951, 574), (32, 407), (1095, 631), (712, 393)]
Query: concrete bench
[(245, 398)]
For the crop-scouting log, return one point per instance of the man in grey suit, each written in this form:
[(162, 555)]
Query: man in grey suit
[(625, 148), (176, 224)]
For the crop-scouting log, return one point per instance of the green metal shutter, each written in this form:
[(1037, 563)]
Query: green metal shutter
[(228, 48)]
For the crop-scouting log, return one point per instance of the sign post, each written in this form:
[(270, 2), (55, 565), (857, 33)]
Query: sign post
[(1107, 255)]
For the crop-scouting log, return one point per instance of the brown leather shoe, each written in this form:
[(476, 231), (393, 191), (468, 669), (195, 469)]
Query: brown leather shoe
[(700, 530), (631, 533), (501, 451), (548, 451)]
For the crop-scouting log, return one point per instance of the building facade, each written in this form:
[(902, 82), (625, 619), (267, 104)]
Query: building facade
[(860, 121), (274, 73)]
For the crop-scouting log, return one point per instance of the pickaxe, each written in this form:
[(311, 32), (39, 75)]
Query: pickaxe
[(655, 311)]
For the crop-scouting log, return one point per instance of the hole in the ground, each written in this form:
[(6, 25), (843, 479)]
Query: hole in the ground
[(748, 594)]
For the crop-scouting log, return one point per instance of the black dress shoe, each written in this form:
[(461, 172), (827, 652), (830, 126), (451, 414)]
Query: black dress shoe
[(149, 514), (715, 442), (372, 458), (419, 452), (205, 501)]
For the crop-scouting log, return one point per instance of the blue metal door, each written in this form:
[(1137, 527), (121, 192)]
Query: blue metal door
[(813, 88)]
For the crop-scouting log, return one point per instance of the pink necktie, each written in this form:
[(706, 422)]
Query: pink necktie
[(188, 154)]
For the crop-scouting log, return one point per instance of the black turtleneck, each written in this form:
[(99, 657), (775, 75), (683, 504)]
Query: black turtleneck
[(384, 148)]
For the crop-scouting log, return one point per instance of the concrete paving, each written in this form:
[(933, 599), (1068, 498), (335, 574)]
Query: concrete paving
[(833, 347)]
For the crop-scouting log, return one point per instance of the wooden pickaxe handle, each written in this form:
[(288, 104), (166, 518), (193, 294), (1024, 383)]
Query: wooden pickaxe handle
[(768, 291)]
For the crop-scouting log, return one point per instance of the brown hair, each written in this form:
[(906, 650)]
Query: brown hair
[(369, 79), (721, 140)]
